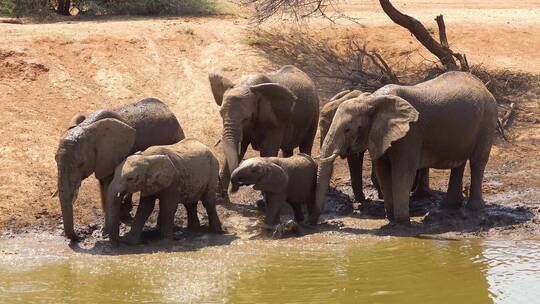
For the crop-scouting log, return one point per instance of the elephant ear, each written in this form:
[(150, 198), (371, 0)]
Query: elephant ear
[(160, 174), (391, 118), (219, 85), (273, 179), (76, 120), (282, 99), (113, 141)]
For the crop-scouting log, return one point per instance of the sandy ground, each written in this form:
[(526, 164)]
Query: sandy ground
[(49, 72)]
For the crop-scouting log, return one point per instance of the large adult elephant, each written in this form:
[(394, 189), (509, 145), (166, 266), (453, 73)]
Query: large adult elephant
[(440, 123), (98, 143), (355, 160), (273, 111)]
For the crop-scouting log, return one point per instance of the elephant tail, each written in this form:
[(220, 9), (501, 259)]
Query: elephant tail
[(500, 128)]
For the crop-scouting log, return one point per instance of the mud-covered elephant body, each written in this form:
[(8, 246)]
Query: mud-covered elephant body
[(355, 160), (440, 124), (282, 180), (186, 172), (273, 111), (98, 143)]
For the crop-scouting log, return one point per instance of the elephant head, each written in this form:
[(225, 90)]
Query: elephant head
[(260, 172), (86, 148), (255, 103), (329, 110), (149, 174), (366, 122)]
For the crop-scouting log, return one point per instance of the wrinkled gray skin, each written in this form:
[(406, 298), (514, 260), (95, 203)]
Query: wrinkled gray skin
[(98, 143), (355, 160), (186, 172), (440, 124), (282, 180), (273, 111)]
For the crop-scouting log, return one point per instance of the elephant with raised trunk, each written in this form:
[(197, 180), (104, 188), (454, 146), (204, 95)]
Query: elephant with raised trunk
[(440, 123), (273, 111), (186, 172), (356, 160), (98, 143)]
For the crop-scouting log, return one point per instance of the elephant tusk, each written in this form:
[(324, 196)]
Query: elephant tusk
[(331, 158), (217, 142), (55, 194)]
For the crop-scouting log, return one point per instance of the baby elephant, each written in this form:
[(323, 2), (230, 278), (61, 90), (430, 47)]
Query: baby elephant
[(185, 172), (281, 180)]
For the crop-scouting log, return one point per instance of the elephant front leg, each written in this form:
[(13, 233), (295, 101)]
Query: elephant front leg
[(403, 174), (209, 203), (192, 216), (224, 181), (167, 211), (355, 162), (103, 187), (384, 176), (146, 206), (454, 196), (274, 203)]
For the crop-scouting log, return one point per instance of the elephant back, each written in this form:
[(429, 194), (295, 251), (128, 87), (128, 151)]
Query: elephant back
[(154, 121), (306, 111)]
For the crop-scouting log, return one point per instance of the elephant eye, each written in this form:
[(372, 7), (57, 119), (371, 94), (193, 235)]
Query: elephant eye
[(347, 130)]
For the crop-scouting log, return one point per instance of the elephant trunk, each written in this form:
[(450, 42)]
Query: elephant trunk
[(329, 152), (232, 136), (112, 212), (68, 187)]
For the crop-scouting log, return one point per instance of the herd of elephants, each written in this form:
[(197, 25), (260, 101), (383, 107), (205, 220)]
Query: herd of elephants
[(141, 147)]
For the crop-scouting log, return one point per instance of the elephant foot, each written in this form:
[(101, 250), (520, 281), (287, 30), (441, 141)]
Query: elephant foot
[(215, 228), (476, 204), (131, 239)]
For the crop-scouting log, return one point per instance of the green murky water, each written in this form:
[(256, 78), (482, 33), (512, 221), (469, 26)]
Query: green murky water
[(387, 270)]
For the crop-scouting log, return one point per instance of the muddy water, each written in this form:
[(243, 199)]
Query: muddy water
[(308, 270)]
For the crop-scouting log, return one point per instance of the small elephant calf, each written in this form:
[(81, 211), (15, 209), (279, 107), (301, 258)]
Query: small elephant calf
[(185, 172), (290, 180)]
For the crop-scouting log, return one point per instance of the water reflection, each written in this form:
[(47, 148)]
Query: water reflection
[(389, 270)]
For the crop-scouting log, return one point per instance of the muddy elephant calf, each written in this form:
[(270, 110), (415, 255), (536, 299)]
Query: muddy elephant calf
[(186, 172), (290, 180)]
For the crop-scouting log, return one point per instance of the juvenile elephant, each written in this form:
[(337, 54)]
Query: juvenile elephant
[(98, 143), (186, 172), (290, 180), (440, 123), (355, 160), (273, 111)]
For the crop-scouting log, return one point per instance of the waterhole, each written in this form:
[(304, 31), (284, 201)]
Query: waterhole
[(307, 270)]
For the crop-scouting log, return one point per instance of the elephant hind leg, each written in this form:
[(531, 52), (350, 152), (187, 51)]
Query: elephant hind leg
[(421, 184), (454, 196)]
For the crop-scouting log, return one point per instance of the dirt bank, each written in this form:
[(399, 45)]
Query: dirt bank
[(49, 72)]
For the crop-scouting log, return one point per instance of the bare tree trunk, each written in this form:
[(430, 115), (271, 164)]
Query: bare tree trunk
[(63, 7), (445, 55)]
